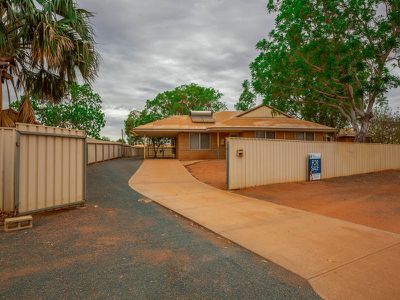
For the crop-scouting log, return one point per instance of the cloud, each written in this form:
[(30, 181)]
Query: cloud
[(151, 46)]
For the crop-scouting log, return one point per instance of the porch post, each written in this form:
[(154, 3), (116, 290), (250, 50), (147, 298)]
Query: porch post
[(144, 148), (218, 144)]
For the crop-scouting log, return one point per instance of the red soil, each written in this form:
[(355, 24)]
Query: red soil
[(370, 199)]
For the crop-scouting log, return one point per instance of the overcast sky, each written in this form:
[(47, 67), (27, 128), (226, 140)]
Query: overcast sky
[(151, 46)]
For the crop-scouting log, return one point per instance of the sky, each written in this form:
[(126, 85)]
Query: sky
[(151, 46)]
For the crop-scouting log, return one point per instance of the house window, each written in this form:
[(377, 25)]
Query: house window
[(265, 134), (299, 136), (328, 137), (310, 136), (199, 141)]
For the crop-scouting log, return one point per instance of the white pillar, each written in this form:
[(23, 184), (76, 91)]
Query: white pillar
[(218, 145), (144, 147)]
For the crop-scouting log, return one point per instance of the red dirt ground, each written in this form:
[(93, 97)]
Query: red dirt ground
[(371, 199)]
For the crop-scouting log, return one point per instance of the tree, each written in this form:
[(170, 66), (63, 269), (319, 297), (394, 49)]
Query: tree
[(183, 99), (82, 110), (385, 126), (178, 101), (335, 53), (247, 98), (45, 46), (137, 118)]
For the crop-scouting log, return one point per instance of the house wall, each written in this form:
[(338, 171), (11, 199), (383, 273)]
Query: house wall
[(185, 153), (319, 136), (289, 136), (280, 135)]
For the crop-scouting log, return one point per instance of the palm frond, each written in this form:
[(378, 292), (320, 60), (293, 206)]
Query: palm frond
[(6, 120), (26, 113), (51, 41), (44, 84)]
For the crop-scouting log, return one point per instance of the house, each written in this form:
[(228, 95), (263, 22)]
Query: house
[(202, 134), (346, 135), (349, 135)]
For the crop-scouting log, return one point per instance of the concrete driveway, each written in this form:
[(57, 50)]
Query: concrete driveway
[(121, 246), (341, 260)]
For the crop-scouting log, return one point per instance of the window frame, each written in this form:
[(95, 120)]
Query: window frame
[(298, 132), (313, 136), (265, 134), (199, 134)]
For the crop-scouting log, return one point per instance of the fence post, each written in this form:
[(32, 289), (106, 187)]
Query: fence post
[(227, 163), (85, 161), (95, 152), (17, 169)]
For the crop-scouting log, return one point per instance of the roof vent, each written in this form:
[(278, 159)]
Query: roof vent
[(202, 116)]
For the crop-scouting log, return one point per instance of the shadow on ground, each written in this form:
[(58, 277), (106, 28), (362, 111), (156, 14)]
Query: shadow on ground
[(122, 246)]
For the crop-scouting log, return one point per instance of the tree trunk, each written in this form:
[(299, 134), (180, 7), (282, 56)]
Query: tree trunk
[(155, 148), (362, 134), (155, 151), (1, 93)]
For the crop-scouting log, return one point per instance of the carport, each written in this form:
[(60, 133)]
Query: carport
[(158, 144)]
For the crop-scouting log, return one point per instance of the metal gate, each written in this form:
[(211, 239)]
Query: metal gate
[(50, 168)]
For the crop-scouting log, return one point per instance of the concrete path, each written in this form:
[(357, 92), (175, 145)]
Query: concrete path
[(341, 260)]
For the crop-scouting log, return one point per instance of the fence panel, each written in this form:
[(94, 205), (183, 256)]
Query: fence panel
[(91, 150), (99, 151), (277, 161), (162, 152), (51, 166), (7, 170)]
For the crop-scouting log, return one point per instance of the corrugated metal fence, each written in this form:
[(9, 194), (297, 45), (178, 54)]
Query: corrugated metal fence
[(99, 151), (276, 161), (7, 171), (44, 167), (50, 167)]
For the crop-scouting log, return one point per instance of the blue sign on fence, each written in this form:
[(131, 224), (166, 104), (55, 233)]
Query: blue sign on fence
[(314, 166)]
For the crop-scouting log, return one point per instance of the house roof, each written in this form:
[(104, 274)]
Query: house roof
[(259, 118), (346, 132), (273, 111)]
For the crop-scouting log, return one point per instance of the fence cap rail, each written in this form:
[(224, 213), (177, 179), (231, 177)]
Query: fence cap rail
[(305, 141), (49, 129)]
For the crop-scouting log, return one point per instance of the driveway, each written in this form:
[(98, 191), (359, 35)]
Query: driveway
[(121, 246), (341, 260)]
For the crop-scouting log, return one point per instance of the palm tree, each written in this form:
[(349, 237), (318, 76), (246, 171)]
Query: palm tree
[(45, 45)]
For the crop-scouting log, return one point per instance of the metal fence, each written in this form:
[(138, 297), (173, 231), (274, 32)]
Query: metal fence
[(277, 161), (7, 161), (50, 167), (165, 151), (99, 151), (45, 167)]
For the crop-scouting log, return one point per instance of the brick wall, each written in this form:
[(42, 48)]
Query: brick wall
[(184, 152), (319, 136)]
